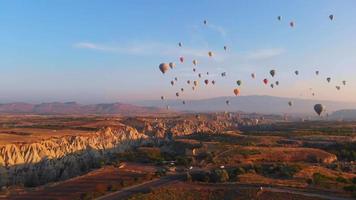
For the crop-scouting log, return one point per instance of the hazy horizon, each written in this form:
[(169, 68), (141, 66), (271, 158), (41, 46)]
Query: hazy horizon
[(92, 53)]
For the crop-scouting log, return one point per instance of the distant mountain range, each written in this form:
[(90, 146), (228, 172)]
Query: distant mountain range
[(344, 115), (75, 108), (254, 103), (248, 104)]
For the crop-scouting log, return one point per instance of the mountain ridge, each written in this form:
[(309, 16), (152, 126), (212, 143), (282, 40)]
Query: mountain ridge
[(264, 104), (75, 108)]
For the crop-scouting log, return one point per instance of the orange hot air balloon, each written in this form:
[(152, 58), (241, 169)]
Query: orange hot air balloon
[(236, 91), (265, 81), (163, 67), (181, 59), (172, 65)]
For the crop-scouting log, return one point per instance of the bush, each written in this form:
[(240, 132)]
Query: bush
[(200, 176), (342, 179), (353, 180), (319, 179), (350, 188), (86, 196), (219, 175)]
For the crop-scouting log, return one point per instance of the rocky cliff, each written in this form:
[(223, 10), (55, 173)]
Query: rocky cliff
[(62, 157), (59, 158)]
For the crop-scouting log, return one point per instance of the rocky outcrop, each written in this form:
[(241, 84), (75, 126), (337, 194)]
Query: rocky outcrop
[(59, 158), (62, 157)]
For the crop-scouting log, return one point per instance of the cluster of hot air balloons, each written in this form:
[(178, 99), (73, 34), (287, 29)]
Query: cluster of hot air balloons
[(292, 23), (165, 67)]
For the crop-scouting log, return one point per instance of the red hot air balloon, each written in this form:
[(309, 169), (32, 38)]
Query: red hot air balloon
[(181, 59), (265, 81)]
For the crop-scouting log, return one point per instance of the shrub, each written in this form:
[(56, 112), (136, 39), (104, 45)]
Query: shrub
[(219, 175), (342, 179), (350, 188)]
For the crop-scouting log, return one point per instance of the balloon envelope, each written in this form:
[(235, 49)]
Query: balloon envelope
[(265, 81), (163, 67), (318, 108), (236, 91)]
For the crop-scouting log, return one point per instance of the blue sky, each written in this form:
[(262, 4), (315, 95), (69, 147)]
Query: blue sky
[(108, 51)]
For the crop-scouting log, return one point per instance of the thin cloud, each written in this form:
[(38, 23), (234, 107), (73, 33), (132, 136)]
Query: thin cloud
[(218, 29), (262, 54), (160, 49), (145, 48)]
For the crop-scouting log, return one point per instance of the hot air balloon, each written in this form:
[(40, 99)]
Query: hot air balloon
[(277, 83), (272, 86), (199, 75), (175, 78), (205, 22), (318, 108), (213, 82), (206, 81), (238, 82), (172, 83), (338, 87), (188, 82), (296, 72), (195, 83), (236, 91), (279, 18), (162, 97), (163, 67), (328, 79), (225, 48), (272, 72), (317, 72), (210, 54), (194, 70), (207, 73), (253, 75), (291, 24), (344, 82), (195, 62), (313, 94), (290, 103), (181, 59), (223, 74), (172, 65), (177, 94), (183, 102), (180, 44), (265, 81), (331, 17), (182, 89), (227, 102)]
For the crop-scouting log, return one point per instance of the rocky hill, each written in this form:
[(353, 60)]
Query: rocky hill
[(60, 158)]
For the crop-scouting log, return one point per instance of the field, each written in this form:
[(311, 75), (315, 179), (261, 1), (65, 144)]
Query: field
[(184, 156)]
